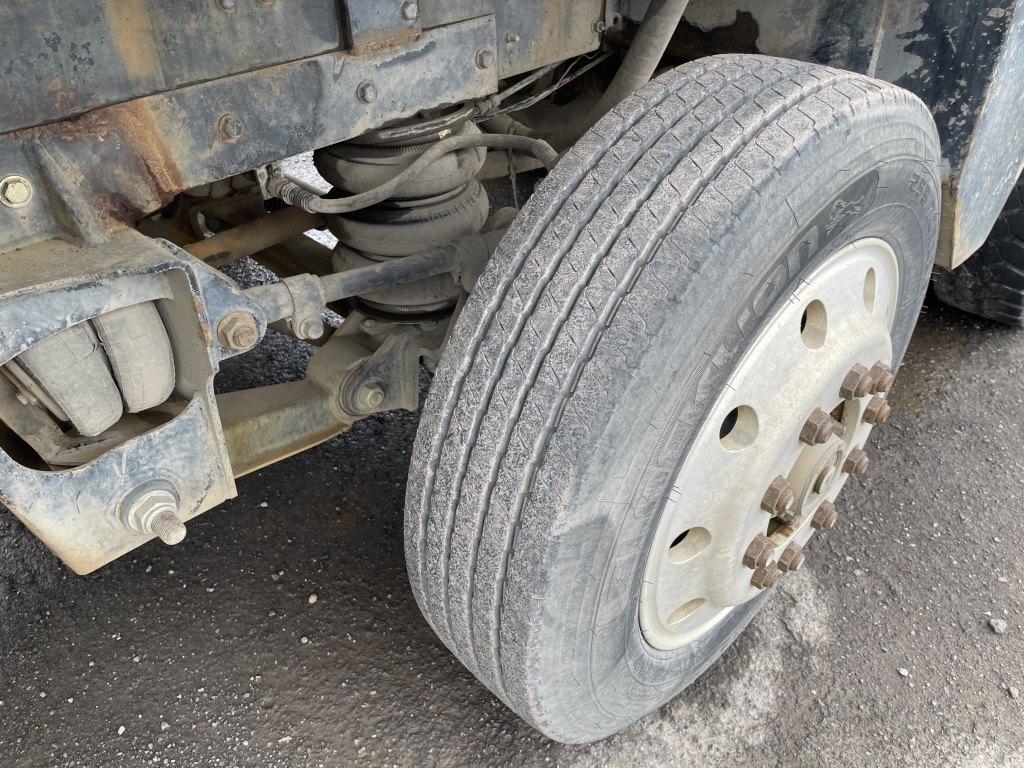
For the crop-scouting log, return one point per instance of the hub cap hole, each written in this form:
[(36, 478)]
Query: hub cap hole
[(739, 428), (813, 325), (688, 544), (870, 283), (685, 611)]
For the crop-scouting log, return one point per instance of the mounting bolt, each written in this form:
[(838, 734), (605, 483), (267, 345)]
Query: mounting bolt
[(227, 5), (883, 376), (818, 428), (153, 508), (311, 328), (599, 26), (511, 37), (485, 58), (766, 576), (877, 410), (369, 396), (366, 92), (858, 383), (792, 557), (759, 552), (856, 463), (778, 499), (825, 517), (238, 330), (231, 127), (15, 191), (410, 11)]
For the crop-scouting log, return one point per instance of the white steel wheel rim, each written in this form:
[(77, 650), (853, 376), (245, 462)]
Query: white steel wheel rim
[(839, 316)]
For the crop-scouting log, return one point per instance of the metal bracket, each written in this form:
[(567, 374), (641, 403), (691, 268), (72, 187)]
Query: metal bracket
[(73, 511)]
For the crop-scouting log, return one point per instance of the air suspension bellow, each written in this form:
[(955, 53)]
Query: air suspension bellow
[(440, 205)]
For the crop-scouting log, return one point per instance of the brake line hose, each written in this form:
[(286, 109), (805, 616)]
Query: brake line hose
[(293, 194)]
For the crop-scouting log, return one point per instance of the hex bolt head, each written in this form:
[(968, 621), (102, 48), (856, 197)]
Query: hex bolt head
[(856, 463), (231, 127), (227, 5), (369, 396), (152, 507), (792, 557), (511, 37), (759, 552), (825, 517), (410, 11), (778, 499), (857, 383), (883, 376), (877, 410), (599, 26), (15, 191), (485, 58), (238, 331), (818, 428), (366, 92), (766, 576), (311, 328)]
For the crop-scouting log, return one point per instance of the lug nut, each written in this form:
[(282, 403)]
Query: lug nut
[(883, 376), (877, 411), (856, 463), (858, 383), (759, 552), (778, 499), (825, 517), (818, 428), (766, 576), (238, 331), (792, 557)]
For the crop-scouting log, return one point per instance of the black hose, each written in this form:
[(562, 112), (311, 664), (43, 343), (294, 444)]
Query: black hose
[(293, 194)]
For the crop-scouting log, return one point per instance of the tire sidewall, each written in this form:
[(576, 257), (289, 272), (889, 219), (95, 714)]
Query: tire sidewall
[(876, 183)]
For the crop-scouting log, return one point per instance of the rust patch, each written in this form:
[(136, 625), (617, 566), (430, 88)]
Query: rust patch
[(144, 177)]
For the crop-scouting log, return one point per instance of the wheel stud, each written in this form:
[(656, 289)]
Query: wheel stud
[(766, 577), (759, 552), (883, 378), (877, 411), (818, 428), (778, 499), (825, 517), (856, 463), (792, 557), (858, 383)]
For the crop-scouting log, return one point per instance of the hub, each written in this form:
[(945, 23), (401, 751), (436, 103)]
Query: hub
[(789, 424)]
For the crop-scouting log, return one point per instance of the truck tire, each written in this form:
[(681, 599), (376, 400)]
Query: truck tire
[(990, 284), (594, 381)]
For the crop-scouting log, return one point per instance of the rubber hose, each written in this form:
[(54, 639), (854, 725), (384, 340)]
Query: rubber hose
[(293, 194)]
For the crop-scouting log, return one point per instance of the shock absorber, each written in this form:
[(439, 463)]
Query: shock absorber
[(442, 204)]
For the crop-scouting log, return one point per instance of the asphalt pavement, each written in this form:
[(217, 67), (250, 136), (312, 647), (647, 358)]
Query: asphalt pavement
[(282, 632)]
